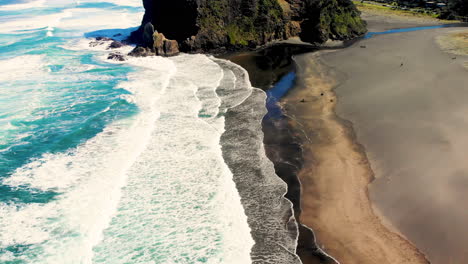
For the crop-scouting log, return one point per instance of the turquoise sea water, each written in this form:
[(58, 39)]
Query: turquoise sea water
[(110, 162), (48, 94)]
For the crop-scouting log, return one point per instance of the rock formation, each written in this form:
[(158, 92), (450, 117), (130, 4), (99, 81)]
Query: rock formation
[(116, 56), (208, 25), (154, 43)]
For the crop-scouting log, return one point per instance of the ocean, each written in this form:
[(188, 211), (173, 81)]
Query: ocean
[(149, 160)]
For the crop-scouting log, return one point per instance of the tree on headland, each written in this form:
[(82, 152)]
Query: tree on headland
[(458, 7), (455, 8)]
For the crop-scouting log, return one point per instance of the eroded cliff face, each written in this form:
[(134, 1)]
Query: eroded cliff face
[(206, 25)]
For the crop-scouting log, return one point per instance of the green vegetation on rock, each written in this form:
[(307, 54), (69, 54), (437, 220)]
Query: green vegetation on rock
[(218, 24), (242, 25), (332, 19), (340, 20)]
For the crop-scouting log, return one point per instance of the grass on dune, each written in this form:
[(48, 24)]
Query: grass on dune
[(388, 10)]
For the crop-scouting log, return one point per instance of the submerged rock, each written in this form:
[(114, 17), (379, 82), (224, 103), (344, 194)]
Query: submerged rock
[(103, 39), (116, 44), (141, 52), (210, 25), (99, 41), (116, 56)]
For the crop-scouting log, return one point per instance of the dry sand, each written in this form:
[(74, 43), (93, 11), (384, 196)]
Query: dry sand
[(455, 42), (412, 120)]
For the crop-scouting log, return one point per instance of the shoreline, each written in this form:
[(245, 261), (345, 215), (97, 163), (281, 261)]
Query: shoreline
[(284, 147), (350, 224), (267, 69), (331, 148), (405, 116)]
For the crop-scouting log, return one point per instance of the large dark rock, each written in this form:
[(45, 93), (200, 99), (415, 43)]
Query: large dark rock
[(141, 52), (163, 46), (170, 47), (207, 25), (154, 43)]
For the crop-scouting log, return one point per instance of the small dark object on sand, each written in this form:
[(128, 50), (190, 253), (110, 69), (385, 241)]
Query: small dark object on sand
[(303, 101), (321, 94), (331, 100), (116, 56), (116, 44), (363, 47), (454, 58), (401, 65)]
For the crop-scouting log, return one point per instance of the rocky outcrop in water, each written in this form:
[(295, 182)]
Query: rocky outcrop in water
[(207, 25), (154, 43), (116, 56)]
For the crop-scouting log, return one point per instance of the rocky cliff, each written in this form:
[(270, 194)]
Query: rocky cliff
[(206, 25)]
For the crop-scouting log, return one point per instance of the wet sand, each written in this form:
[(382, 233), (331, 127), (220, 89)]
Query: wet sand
[(335, 176), (266, 68), (404, 100)]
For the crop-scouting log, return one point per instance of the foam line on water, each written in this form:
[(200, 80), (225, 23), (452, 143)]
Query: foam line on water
[(89, 178), (21, 6), (12, 71), (152, 188), (180, 204), (87, 19), (33, 22), (270, 214), (239, 82), (22, 67), (78, 20), (132, 3)]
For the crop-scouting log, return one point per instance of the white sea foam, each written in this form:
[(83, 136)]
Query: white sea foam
[(180, 204), (178, 200), (153, 188), (89, 178), (17, 100), (84, 44), (87, 19), (33, 22), (22, 67), (22, 6), (78, 20), (133, 3)]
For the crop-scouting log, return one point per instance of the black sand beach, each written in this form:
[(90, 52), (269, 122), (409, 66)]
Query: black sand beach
[(310, 132), (406, 100), (282, 144)]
